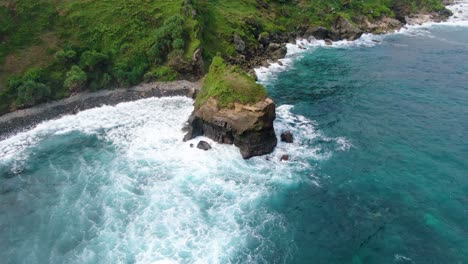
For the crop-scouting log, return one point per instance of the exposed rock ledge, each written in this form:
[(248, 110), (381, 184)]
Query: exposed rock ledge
[(17, 121), (249, 127), (272, 47)]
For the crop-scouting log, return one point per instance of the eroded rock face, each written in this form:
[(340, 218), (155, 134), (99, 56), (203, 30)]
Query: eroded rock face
[(419, 19), (316, 32), (343, 29), (277, 51), (249, 127), (383, 25)]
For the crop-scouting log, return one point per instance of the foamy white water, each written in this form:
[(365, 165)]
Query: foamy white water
[(460, 13), (303, 46), (145, 193)]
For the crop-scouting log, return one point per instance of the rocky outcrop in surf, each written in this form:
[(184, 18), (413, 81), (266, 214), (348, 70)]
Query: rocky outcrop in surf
[(232, 108), (249, 127)]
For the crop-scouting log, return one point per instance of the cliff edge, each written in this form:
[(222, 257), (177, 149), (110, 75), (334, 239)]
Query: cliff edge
[(232, 109)]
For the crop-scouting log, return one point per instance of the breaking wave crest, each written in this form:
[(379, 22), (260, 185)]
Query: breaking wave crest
[(118, 185)]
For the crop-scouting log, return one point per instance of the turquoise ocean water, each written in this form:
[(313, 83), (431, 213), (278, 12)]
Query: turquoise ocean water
[(379, 169)]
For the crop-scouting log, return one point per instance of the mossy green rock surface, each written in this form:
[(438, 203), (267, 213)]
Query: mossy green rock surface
[(229, 84), (233, 109)]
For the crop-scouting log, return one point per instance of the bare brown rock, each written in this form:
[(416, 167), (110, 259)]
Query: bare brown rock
[(383, 25), (249, 127), (343, 29)]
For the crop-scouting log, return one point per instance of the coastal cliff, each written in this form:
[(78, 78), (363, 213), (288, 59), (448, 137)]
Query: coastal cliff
[(51, 50), (232, 109), (249, 127)]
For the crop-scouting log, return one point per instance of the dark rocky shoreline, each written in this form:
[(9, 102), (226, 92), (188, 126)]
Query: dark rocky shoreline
[(272, 47), (21, 120), (250, 127)]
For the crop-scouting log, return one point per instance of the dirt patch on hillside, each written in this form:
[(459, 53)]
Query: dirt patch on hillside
[(33, 56)]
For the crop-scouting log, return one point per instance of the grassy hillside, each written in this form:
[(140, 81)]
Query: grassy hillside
[(52, 48)]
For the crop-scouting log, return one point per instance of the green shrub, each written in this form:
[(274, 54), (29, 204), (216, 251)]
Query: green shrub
[(75, 78), (130, 71), (65, 56), (170, 36), (31, 93), (163, 74), (29, 88), (90, 59)]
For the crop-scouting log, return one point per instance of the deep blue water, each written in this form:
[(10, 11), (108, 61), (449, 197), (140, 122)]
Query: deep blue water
[(401, 192), (379, 170)]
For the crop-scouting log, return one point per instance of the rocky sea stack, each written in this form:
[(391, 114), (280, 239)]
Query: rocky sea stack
[(232, 109)]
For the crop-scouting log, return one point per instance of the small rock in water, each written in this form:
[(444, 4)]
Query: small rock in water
[(287, 137), (191, 145), (203, 145), (328, 42), (285, 157)]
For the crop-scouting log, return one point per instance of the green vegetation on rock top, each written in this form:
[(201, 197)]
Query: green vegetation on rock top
[(229, 84), (97, 44)]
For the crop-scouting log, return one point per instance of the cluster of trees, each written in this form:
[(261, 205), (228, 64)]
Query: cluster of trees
[(29, 88), (170, 38), (75, 68)]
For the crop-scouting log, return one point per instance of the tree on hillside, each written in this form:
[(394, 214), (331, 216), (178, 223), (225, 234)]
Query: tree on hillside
[(29, 88), (75, 78), (169, 37)]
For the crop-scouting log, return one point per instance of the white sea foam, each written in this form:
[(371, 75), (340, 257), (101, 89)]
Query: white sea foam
[(460, 13), (401, 258), (161, 201), (459, 19), (303, 46)]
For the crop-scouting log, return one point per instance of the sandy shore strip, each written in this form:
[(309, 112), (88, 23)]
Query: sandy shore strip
[(20, 120)]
